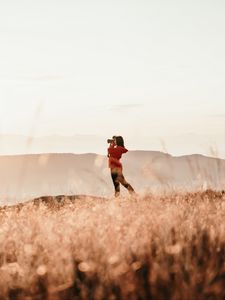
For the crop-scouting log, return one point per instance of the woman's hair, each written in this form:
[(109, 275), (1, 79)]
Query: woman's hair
[(120, 141)]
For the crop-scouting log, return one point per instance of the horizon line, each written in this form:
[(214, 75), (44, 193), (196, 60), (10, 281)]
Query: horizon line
[(98, 154)]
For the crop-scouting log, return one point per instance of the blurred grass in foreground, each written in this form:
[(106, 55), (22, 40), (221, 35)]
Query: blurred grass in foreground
[(170, 247)]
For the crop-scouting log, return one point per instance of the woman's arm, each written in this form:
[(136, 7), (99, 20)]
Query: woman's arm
[(111, 148)]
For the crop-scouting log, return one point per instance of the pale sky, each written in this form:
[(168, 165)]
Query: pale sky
[(142, 69)]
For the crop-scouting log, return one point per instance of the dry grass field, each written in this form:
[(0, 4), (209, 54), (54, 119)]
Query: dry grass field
[(150, 247)]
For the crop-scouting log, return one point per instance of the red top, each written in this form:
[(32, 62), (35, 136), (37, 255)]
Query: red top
[(115, 153)]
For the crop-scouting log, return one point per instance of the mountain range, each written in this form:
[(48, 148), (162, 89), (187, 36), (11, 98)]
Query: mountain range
[(24, 177)]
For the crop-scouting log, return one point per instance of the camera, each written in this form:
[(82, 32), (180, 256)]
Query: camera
[(110, 141)]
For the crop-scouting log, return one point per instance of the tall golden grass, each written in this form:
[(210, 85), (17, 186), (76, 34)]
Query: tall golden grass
[(150, 247)]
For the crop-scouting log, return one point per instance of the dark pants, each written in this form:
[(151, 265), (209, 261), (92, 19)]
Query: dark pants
[(117, 178)]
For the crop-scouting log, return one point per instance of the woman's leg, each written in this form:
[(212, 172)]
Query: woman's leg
[(115, 179), (123, 181)]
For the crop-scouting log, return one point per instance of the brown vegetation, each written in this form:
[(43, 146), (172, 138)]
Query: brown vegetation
[(170, 247)]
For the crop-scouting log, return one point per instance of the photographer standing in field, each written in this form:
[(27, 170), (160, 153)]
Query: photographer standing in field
[(115, 151)]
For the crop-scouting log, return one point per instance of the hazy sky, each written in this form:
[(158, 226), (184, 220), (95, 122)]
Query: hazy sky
[(137, 68)]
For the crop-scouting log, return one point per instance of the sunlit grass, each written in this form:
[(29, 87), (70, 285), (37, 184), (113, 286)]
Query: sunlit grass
[(151, 247)]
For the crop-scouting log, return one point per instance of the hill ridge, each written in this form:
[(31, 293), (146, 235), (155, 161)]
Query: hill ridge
[(28, 176)]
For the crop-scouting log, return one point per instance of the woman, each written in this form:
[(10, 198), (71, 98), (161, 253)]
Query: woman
[(115, 151)]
